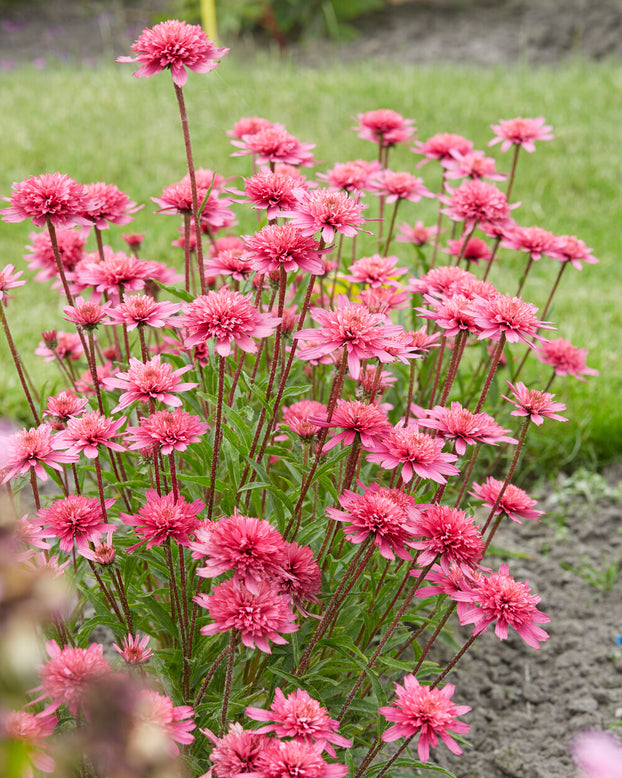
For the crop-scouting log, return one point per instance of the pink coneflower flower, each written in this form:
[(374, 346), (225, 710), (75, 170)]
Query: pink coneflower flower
[(384, 299), (30, 730), (439, 281), (442, 146), (75, 520), (251, 547), (89, 431), (229, 262), (364, 334), (471, 165), (520, 132), (475, 201), (84, 384), (177, 198), (381, 512), (465, 428), (273, 192), (453, 314), (499, 598), (367, 421), (163, 518), (87, 313), (226, 316), (354, 176), (70, 674), (156, 715), (428, 711), (71, 244), (515, 503), (418, 233), (236, 752), (455, 583), (170, 430), (396, 186), (282, 245), (52, 196), (33, 448), (597, 754), (421, 341), (9, 280), (134, 650), (565, 358), (287, 758), (274, 144), (535, 241), (376, 271), (133, 239), (511, 316), (534, 404), (418, 453), (571, 249), (118, 273), (146, 381), (103, 552), (302, 577), (300, 716), (259, 617), (326, 211), (449, 534), (298, 417), (217, 214), (175, 45), (473, 288), (140, 310), (384, 126), (66, 345), (30, 532), (109, 205), (475, 249), (249, 125)]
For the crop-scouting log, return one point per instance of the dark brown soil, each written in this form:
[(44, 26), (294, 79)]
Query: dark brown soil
[(484, 32)]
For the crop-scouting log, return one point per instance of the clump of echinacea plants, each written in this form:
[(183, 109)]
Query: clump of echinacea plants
[(276, 473)]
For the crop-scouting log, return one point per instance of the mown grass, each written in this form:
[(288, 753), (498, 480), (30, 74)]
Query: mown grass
[(104, 125)]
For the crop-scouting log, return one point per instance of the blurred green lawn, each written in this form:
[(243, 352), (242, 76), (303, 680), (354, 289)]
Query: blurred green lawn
[(104, 125)]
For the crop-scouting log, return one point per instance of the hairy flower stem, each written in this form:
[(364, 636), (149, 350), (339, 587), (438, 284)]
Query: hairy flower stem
[(452, 371), (355, 568), (385, 638), (187, 253), (35, 489), (173, 471), (176, 611), (59, 261), (193, 185), (437, 237), (210, 674), (454, 661), (90, 358), (217, 436), (411, 389), (284, 376), (391, 228), (390, 606), (100, 488), (508, 478), (495, 246), (512, 172), (395, 757), (351, 464), (524, 276), (464, 245), (236, 378), (336, 391), (117, 580), (494, 362), (107, 594), (18, 365), (228, 680), (417, 633), (437, 373), (518, 370), (435, 634), (374, 749)]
